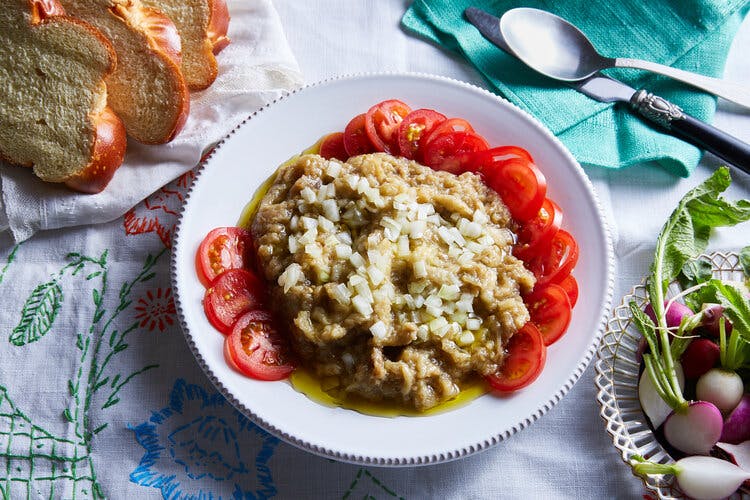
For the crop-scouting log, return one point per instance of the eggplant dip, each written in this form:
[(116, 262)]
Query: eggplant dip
[(395, 282)]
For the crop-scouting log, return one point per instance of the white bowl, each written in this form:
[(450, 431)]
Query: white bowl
[(617, 374), (252, 151)]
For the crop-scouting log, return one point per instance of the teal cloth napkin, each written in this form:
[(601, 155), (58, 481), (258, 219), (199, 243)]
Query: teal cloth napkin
[(694, 35)]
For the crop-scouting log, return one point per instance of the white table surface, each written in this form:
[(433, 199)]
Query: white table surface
[(567, 453), (101, 396)]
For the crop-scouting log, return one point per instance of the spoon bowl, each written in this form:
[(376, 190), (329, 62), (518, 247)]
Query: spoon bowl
[(551, 45), (555, 48)]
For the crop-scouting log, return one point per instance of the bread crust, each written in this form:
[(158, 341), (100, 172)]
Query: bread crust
[(164, 41), (107, 155), (108, 146), (218, 25)]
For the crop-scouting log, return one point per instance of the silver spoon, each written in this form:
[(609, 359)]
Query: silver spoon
[(557, 49)]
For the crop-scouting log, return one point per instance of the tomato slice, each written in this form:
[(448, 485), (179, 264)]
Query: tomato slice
[(452, 151), (521, 185), (333, 147), (232, 294), (449, 125), (570, 285), (223, 248), (486, 162), (557, 262), (356, 141), (382, 123), (416, 125), (524, 362), (256, 348), (550, 311), (535, 235)]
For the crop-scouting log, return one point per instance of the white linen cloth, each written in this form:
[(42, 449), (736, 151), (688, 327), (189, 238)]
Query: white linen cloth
[(256, 68), (148, 424)]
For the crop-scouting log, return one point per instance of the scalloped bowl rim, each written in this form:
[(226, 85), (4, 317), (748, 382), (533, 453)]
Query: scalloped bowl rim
[(401, 441)]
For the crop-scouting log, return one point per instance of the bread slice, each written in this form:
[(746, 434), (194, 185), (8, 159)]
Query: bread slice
[(53, 113), (202, 25), (146, 90)]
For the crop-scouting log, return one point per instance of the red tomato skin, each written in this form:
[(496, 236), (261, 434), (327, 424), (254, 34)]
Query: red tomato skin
[(415, 126), (486, 162), (382, 124), (528, 349), (266, 343), (333, 147), (535, 235), (231, 294), (557, 262), (570, 285), (452, 151), (521, 185), (231, 246), (550, 311), (356, 141), (449, 125)]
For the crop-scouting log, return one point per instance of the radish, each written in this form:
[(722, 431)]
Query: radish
[(720, 387), (738, 453), (699, 357), (653, 405), (702, 478), (712, 314), (694, 429), (737, 424), (674, 314)]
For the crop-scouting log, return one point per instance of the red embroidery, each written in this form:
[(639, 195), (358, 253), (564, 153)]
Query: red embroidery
[(156, 310), (158, 212)]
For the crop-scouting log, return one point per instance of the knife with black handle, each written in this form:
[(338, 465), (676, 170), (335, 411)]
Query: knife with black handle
[(656, 109)]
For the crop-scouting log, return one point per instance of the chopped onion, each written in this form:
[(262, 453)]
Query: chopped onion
[(290, 277), (308, 194), (342, 294), (375, 274), (379, 330), (308, 222), (325, 224), (480, 217), (313, 250), (357, 260), (417, 229), (420, 269), (466, 338), (363, 289), (437, 324), (308, 237), (403, 246), (449, 292), (344, 238), (333, 169), (331, 210), (293, 244), (343, 252), (473, 324), (362, 306), (422, 332)]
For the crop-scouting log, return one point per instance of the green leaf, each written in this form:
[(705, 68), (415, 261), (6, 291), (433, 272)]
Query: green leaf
[(38, 314), (686, 232), (745, 261), (100, 428), (121, 347), (67, 415), (98, 316), (93, 275), (148, 277), (110, 402), (97, 297), (695, 271), (71, 388), (115, 380)]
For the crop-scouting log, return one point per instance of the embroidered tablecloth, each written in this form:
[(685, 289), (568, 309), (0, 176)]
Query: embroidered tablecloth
[(101, 397)]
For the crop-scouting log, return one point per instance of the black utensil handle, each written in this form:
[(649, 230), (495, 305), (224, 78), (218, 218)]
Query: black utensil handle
[(670, 116)]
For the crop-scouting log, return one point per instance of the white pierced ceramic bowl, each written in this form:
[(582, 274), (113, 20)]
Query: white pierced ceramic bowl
[(251, 152), (617, 373)]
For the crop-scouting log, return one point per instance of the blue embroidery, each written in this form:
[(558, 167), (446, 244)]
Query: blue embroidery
[(198, 448)]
